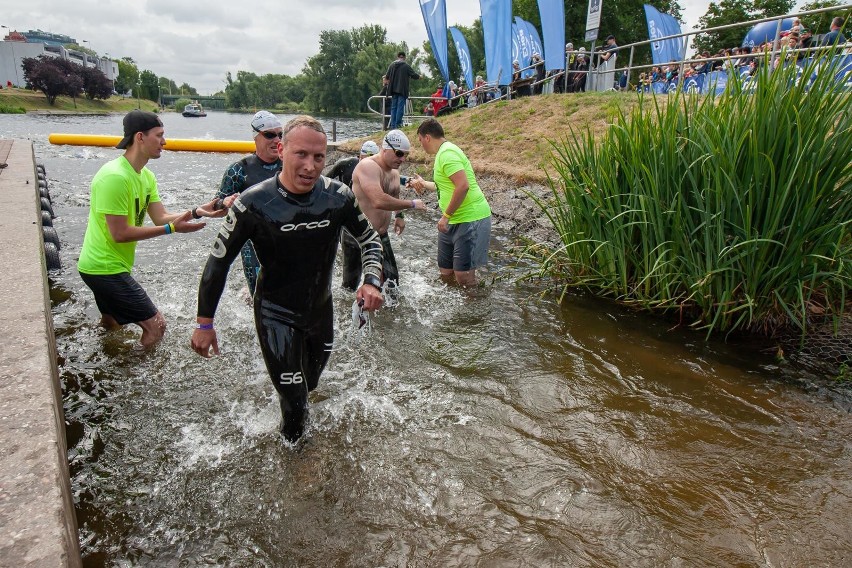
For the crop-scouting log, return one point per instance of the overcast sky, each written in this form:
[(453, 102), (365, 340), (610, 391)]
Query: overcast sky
[(198, 42)]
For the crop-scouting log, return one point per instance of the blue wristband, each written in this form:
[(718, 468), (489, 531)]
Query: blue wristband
[(204, 326)]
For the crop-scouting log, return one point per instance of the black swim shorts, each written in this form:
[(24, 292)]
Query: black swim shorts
[(120, 296)]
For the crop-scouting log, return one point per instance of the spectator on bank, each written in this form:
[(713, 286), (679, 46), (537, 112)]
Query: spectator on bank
[(538, 66), (744, 62), (834, 36), (577, 78), (438, 100), (520, 86), (399, 74), (605, 79), (560, 83), (797, 27), (452, 95), (672, 71), (479, 89)]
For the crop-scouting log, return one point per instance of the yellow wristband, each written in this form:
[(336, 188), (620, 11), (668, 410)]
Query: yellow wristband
[(447, 216)]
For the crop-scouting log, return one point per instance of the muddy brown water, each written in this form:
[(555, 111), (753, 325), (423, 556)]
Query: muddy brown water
[(500, 428)]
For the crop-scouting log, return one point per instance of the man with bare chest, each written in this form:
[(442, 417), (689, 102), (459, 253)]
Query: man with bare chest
[(375, 183)]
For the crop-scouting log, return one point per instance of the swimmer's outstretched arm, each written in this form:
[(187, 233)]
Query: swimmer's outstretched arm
[(419, 185), (371, 254), (235, 231)]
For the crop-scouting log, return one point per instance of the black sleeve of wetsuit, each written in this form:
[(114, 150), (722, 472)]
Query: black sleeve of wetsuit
[(337, 169), (235, 231), (368, 239)]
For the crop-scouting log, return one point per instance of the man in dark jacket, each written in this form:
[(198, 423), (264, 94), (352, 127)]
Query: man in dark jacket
[(399, 73)]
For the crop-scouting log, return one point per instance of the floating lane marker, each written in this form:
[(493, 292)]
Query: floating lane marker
[(173, 144)]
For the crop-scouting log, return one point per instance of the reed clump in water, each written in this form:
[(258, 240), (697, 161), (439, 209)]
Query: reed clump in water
[(732, 212)]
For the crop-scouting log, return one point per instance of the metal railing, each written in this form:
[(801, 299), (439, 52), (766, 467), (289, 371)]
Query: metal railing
[(594, 75), (381, 104)]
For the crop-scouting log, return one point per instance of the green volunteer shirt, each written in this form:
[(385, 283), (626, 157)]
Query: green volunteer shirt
[(117, 189), (449, 160)]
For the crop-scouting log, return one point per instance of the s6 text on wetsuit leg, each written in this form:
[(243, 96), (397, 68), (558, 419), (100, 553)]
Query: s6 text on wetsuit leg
[(295, 359)]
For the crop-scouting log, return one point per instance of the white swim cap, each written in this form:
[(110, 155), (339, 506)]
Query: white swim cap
[(396, 140), (369, 148), (264, 120)]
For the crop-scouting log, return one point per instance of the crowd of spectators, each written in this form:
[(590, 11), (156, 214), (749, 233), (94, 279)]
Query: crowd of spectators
[(794, 45)]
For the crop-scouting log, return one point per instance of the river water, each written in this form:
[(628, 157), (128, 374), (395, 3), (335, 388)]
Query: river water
[(499, 428)]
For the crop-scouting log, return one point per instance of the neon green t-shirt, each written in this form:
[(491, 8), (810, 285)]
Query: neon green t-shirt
[(116, 190), (449, 160)]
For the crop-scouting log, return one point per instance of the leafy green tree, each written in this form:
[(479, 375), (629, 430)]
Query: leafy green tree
[(148, 86), (249, 90), (128, 75), (330, 73), (168, 86), (186, 89), (292, 89)]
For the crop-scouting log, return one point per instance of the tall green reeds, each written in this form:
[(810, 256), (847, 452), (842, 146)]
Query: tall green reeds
[(731, 211)]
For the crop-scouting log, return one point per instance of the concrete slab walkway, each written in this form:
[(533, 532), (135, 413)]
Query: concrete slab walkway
[(37, 523)]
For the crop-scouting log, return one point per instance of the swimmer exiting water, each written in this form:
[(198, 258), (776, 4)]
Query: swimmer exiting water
[(253, 169), (376, 184), (294, 220)]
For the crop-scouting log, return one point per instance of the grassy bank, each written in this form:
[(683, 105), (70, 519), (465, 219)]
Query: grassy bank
[(34, 101), (511, 138)]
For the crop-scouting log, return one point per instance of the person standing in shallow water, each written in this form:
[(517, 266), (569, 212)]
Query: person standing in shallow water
[(123, 192), (464, 230), (294, 220), (376, 184), (253, 169)]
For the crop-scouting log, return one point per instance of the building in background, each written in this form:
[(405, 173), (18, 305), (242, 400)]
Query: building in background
[(20, 45)]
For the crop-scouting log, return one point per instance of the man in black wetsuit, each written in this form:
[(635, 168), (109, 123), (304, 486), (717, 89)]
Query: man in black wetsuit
[(294, 220), (252, 169)]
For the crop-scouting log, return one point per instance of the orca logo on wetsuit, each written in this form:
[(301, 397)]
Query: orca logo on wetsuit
[(305, 226)]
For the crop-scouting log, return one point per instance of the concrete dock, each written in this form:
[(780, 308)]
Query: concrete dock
[(37, 523)]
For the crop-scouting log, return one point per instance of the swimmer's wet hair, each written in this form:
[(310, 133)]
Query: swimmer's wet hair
[(303, 120)]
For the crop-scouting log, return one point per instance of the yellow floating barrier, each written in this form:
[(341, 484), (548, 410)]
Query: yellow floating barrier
[(174, 144)]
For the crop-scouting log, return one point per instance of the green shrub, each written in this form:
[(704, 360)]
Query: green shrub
[(7, 109), (731, 212), (181, 103)]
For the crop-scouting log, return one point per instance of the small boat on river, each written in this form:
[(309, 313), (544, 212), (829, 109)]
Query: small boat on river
[(194, 109)]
